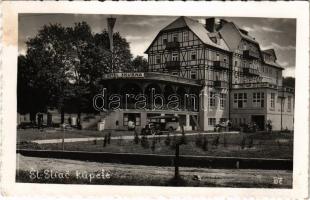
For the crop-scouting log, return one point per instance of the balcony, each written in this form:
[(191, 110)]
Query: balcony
[(172, 45), (219, 65), (250, 54), (250, 71), (219, 84), (173, 65)]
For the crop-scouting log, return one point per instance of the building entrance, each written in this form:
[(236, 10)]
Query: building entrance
[(259, 120)]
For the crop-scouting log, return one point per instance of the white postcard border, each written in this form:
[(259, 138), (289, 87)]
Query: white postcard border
[(298, 10)]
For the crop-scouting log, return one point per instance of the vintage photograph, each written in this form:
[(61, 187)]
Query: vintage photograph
[(191, 101)]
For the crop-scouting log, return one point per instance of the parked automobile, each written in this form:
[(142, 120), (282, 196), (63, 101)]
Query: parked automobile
[(131, 125), (223, 126), (159, 124)]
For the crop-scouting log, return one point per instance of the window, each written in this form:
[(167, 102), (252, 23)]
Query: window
[(289, 103), (157, 58), (244, 46), (258, 99), (193, 55), (125, 119), (174, 73), (212, 121), (193, 74), (138, 120), (272, 100), (212, 99), (217, 57), (185, 36), (165, 40), (175, 56), (222, 100), (240, 100), (175, 37), (236, 63), (134, 117)]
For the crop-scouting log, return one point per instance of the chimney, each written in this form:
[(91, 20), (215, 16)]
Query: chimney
[(111, 22), (210, 24), (214, 24)]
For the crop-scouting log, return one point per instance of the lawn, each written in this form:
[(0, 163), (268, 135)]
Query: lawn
[(52, 133), (255, 145)]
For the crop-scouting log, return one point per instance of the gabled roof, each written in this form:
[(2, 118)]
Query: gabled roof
[(197, 28), (270, 52), (270, 62), (233, 35)]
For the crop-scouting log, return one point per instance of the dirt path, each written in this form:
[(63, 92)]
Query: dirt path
[(202, 176)]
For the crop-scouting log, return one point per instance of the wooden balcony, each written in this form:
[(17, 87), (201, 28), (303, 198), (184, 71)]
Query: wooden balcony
[(173, 65), (219, 84), (219, 65), (250, 71), (172, 45), (249, 54)]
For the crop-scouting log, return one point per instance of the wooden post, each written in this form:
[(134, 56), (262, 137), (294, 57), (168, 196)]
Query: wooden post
[(63, 138), (176, 161)]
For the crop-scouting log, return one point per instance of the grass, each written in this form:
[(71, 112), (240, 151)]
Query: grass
[(35, 134), (259, 145)]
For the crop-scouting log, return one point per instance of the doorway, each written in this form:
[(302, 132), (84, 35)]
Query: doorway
[(259, 120)]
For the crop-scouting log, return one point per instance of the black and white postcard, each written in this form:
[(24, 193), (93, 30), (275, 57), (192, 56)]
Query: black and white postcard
[(201, 99)]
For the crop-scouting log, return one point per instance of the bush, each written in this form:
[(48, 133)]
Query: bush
[(136, 138), (144, 142), (167, 140), (251, 143), (105, 140), (153, 144), (183, 139), (109, 138), (205, 143), (174, 142), (224, 141), (120, 140), (199, 140), (242, 145), (216, 141)]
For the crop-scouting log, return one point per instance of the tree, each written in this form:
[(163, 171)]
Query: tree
[(289, 82), (64, 65), (140, 64)]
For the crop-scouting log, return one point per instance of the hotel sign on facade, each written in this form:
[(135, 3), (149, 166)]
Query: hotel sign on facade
[(123, 75)]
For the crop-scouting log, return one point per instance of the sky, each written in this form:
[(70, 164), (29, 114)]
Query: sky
[(139, 31)]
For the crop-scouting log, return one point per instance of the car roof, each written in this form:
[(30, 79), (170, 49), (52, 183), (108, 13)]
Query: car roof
[(164, 117)]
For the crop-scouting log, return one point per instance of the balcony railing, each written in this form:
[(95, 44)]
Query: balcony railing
[(172, 45), (173, 65), (220, 65), (281, 89), (220, 84), (250, 54), (250, 71)]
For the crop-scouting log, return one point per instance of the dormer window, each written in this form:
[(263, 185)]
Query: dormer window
[(244, 46), (217, 57), (185, 36), (193, 55), (175, 56), (214, 39), (165, 40), (175, 37), (157, 59)]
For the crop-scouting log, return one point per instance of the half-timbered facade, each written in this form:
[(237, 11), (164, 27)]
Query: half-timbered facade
[(239, 80)]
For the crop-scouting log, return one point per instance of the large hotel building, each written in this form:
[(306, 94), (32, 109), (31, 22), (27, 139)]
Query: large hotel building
[(217, 62)]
